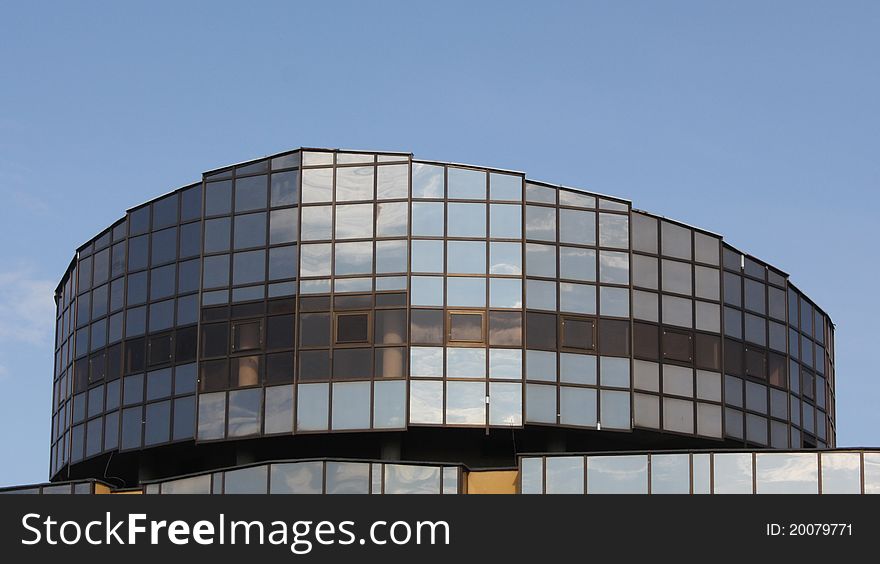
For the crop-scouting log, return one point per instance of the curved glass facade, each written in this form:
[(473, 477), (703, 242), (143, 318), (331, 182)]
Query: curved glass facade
[(323, 291)]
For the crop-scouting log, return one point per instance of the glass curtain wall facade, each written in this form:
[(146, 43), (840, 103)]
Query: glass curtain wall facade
[(321, 292)]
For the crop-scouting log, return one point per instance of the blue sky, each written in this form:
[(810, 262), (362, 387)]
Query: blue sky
[(757, 120)]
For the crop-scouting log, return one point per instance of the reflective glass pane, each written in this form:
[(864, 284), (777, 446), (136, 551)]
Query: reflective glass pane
[(626, 474), (841, 473), (428, 219), (670, 474), (426, 402), (392, 182), (466, 257), (317, 185), (354, 183), (354, 221), (297, 478), (465, 403), (466, 184), (577, 227), (505, 221), (465, 292), (465, 220), (613, 231), (427, 181), (733, 473), (565, 475), (787, 473), (541, 223), (577, 406), (351, 405)]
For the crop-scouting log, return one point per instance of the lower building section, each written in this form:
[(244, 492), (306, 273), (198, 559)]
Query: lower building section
[(838, 471)]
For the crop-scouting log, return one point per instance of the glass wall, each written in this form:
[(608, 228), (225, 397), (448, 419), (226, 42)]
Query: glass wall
[(318, 291), (719, 472), (320, 477)]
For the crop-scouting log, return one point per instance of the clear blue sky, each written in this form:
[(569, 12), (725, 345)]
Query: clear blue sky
[(757, 120)]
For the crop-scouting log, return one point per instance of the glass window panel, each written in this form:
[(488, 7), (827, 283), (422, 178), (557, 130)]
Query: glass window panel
[(505, 187), (250, 193), (312, 407), (466, 257), (391, 256), (645, 271), (613, 231), (677, 311), (282, 262), (465, 403), (427, 256), (577, 264), (505, 293), (670, 474), (249, 267), (389, 404), (315, 259), (614, 301), (317, 185), (678, 415), (646, 306), (354, 221), (756, 328), (465, 220), (576, 199), (428, 219), (646, 411), (504, 258), (706, 248), (543, 194), (212, 416), (254, 480), (466, 327), (162, 282), (137, 259), (540, 403), (614, 407), (465, 363), (541, 260), (392, 182), (391, 219), (412, 479), (427, 326), (577, 368), (577, 406), (285, 188), (191, 203), (578, 227), (425, 403), (297, 478), (787, 473), (676, 276), (216, 271), (565, 474), (157, 426), (282, 225), (644, 233), (575, 298), (541, 365), (218, 198), (505, 404), (427, 290), (505, 328), (354, 183), (614, 372), (466, 184), (426, 362), (505, 364), (531, 476), (427, 181), (614, 267), (841, 473), (541, 223), (348, 477), (676, 240), (754, 292), (317, 223), (733, 473), (707, 283), (708, 317), (217, 234), (465, 292), (354, 258), (184, 418), (505, 221), (540, 294), (351, 405), (627, 474)]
